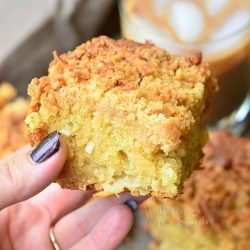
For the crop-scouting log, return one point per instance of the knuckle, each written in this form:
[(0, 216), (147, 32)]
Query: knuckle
[(13, 178), (7, 173)]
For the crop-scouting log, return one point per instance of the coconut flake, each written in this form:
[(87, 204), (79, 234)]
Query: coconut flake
[(65, 131), (89, 147)]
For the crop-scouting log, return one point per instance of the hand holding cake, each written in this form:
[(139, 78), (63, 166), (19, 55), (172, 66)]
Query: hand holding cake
[(32, 213), (110, 117)]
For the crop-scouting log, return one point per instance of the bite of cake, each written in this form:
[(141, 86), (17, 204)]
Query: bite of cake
[(133, 116)]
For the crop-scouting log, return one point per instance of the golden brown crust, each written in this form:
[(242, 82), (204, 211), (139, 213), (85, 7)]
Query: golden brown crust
[(12, 115), (220, 190), (124, 65)]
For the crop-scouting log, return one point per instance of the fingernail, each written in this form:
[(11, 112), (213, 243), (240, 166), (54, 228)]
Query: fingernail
[(132, 204), (46, 148)]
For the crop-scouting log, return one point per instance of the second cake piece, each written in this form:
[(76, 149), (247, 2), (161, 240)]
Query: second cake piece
[(133, 116)]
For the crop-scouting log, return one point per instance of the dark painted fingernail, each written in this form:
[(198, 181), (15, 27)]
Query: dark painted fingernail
[(132, 204), (46, 148)]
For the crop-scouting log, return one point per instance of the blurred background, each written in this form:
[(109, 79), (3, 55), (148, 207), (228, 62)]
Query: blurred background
[(31, 30)]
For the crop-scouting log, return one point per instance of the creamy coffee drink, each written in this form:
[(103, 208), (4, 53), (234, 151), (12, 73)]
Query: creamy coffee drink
[(218, 28)]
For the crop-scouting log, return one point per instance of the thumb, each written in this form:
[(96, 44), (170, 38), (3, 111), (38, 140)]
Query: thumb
[(26, 174)]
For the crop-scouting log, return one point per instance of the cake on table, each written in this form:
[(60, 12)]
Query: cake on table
[(213, 213)]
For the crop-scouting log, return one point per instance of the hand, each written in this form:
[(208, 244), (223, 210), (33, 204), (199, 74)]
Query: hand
[(25, 219)]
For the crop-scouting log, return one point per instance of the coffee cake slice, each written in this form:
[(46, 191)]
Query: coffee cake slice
[(133, 116)]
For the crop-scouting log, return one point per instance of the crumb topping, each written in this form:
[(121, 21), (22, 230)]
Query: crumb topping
[(177, 88), (220, 191)]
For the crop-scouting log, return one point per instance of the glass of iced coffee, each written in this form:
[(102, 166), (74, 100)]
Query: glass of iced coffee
[(220, 29)]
